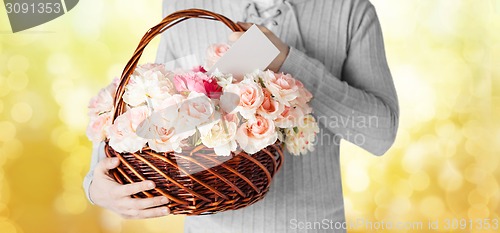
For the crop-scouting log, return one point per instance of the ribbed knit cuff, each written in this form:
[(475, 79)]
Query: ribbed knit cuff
[(294, 62)]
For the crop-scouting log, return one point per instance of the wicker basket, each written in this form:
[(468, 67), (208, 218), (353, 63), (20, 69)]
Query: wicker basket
[(197, 182)]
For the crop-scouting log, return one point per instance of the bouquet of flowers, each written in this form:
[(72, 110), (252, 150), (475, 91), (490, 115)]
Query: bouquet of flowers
[(168, 110)]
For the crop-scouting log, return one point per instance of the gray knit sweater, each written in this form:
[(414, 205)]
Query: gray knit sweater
[(337, 51)]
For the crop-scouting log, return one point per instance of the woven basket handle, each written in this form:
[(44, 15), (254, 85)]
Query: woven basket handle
[(166, 23)]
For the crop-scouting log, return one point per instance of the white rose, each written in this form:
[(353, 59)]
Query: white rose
[(195, 111), (221, 137)]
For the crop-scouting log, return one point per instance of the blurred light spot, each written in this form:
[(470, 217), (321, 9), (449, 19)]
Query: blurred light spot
[(473, 52), (400, 206), (422, 105), (17, 81), (21, 112), (489, 186), (8, 131), (74, 109), (18, 63), (450, 179), (12, 148), (59, 63), (71, 203), (88, 24), (383, 196), (6, 226), (402, 188), (4, 88), (432, 207), (478, 212), (476, 198), (474, 174), (414, 157), (357, 177), (64, 139), (419, 181), (114, 70)]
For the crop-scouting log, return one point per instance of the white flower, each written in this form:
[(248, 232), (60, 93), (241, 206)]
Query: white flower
[(222, 79), (221, 137), (162, 127), (122, 133), (153, 84), (301, 139)]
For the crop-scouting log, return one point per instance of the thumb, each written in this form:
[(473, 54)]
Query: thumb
[(107, 164)]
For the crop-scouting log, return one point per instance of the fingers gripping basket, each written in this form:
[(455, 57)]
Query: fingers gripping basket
[(196, 182)]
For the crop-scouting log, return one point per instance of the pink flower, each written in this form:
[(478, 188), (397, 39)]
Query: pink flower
[(270, 108), (215, 52), (199, 69), (122, 134), (290, 117), (257, 134), (304, 97), (197, 82), (98, 126), (282, 86), (100, 112)]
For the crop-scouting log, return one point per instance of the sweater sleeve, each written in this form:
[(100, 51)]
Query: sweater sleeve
[(361, 106), (97, 155)]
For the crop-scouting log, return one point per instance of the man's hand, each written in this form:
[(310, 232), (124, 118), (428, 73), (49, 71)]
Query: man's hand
[(283, 48), (107, 193)]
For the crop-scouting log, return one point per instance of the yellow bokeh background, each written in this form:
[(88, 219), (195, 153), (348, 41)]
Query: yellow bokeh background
[(445, 164)]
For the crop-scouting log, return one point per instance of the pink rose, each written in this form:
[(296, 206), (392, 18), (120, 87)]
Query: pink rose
[(282, 86), (270, 108), (250, 98), (215, 52), (100, 112), (304, 97), (290, 117), (122, 134), (197, 82), (98, 126), (257, 134)]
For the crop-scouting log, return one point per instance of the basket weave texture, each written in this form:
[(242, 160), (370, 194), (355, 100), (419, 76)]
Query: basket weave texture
[(196, 181)]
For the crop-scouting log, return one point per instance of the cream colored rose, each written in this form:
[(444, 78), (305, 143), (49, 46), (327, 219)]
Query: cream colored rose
[(195, 111), (257, 134), (221, 137)]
